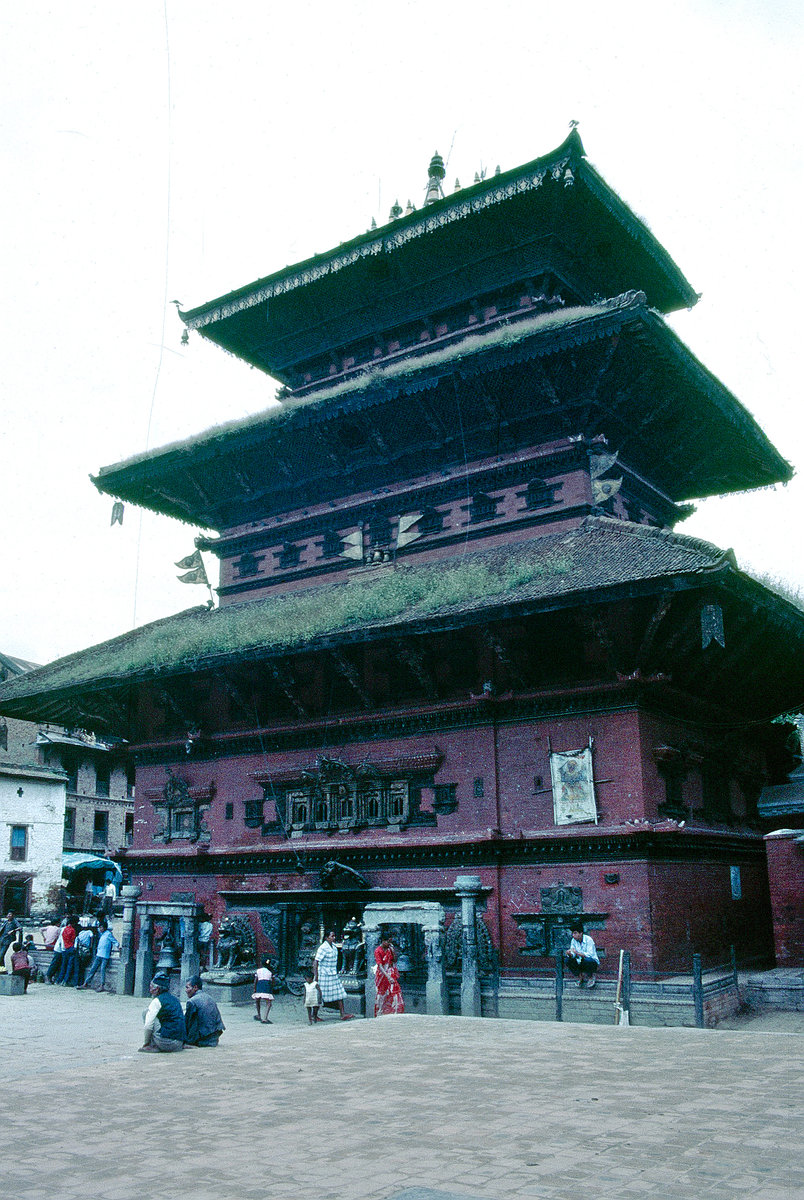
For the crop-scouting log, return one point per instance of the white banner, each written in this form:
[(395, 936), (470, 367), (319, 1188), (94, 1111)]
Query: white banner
[(573, 786)]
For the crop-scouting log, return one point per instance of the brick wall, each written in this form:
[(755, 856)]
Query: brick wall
[(786, 876)]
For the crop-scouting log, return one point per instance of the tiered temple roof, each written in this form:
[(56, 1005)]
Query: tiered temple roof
[(602, 561)]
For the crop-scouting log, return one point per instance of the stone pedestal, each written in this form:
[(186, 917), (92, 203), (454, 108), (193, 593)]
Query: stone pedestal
[(467, 889), (145, 957), (129, 895), (234, 994)]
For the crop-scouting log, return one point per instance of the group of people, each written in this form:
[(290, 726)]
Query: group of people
[(168, 1027), (79, 952)]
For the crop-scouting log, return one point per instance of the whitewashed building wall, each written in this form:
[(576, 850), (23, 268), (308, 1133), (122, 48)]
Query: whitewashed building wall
[(32, 798)]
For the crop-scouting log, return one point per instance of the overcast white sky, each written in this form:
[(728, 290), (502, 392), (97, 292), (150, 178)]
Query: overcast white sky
[(159, 151)]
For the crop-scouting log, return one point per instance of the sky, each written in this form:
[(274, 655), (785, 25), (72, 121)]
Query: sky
[(171, 151)]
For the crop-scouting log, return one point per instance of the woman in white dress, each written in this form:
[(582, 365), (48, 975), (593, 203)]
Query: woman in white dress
[(325, 973)]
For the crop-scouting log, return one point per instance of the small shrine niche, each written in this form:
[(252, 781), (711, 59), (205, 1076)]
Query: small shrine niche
[(181, 809)]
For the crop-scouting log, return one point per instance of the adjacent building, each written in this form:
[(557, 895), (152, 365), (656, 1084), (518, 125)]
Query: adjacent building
[(59, 790), (458, 630)]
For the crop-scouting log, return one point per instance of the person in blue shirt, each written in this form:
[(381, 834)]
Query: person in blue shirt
[(103, 952)]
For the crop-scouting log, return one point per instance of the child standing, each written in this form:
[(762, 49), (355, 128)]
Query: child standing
[(312, 999), (262, 991)]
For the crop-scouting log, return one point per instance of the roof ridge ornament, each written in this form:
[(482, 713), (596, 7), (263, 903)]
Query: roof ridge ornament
[(436, 172)]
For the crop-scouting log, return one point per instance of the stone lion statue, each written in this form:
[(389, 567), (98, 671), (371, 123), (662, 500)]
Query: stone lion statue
[(237, 945)]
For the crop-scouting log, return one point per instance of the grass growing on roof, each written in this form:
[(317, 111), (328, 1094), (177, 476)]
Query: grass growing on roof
[(291, 620)]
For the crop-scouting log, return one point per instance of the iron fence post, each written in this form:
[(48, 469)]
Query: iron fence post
[(560, 986)]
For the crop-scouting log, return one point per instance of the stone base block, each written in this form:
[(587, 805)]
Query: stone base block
[(12, 985), (228, 995)]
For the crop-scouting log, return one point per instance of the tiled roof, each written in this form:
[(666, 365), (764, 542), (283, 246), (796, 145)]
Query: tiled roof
[(600, 555)]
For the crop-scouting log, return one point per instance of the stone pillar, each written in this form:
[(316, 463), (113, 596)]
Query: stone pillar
[(436, 993), (190, 958), (125, 984), (371, 937), (145, 956), (467, 889)]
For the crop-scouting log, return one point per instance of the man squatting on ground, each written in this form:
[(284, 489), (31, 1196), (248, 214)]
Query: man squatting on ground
[(582, 958), (166, 1012), (202, 1016)]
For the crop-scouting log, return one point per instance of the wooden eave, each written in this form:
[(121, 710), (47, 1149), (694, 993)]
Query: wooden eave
[(109, 699), (654, 401), (428, 260)]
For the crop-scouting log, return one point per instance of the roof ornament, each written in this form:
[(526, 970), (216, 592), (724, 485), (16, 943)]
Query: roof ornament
[(409, 209), (396, 211), (457, 187), (436, 173)]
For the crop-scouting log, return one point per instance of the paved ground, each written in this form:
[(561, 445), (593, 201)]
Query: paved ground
[(428, 1108)]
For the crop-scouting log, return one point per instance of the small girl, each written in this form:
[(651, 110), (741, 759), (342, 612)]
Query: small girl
[(312, 999), (262, 991)]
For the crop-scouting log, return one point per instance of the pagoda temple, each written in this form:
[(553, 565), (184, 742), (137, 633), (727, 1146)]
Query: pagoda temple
[(457, 628)]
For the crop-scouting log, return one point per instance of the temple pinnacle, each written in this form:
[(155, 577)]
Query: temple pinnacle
[(436, 173)]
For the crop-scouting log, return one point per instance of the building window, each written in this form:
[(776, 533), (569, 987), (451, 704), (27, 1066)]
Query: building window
[(247, 565), (100, 828), (254, 810), (540, 494), (183, 822), (380, 531), (128, 834), (479, 789), (482, 508), (431, 521), (445, 798), (102, 779), (69, 826), (332, 544), (289, 556), (70, 765), (19, 843), (373, 802), (130, 778), (229, 813)]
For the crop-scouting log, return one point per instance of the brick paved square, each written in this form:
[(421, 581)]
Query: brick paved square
[(405, 1108)]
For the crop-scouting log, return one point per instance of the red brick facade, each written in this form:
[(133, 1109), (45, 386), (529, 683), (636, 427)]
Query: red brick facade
[(785, 850)]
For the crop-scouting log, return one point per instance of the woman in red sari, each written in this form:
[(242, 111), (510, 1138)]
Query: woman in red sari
[(389, 994)]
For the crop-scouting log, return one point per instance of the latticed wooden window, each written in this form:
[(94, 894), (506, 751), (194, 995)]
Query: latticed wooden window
[(540, 494), (397, 800), (321, 808), (482, 508), (332, 544), (369, 802), (289, 556), (380, 531), (254, 813), (183, 822), (248, 564), (431, 521), (298, 806)]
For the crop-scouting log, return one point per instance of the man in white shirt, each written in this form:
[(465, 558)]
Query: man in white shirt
[(582, 958)]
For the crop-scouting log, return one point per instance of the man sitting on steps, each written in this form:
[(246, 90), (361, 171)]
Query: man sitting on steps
[(582, 958)]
